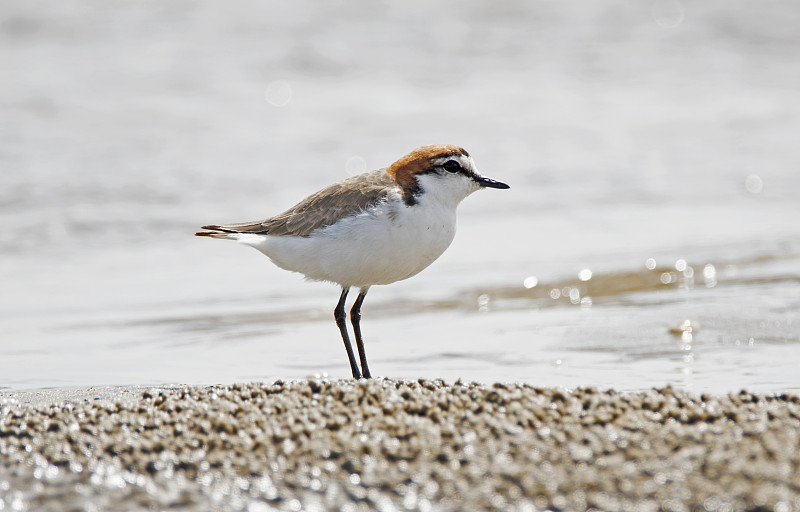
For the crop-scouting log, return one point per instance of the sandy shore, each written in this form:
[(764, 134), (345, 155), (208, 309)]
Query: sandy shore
[(397, 445)]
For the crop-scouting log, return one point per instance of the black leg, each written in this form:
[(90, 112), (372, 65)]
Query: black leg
[(341, 321), (355, 317)]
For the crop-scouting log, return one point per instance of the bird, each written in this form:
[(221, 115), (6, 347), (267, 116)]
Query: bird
[(374, 228)]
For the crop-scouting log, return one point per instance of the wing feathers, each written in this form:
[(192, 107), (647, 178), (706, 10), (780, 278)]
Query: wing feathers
[(319, 210)]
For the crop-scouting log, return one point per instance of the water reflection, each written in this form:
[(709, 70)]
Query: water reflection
[(685, 332), (668, 13), (653, 286), (530, 282), (626, 330), (754, 184), (710, 275), (278, 93)]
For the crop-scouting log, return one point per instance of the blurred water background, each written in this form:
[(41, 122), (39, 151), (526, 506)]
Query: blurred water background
[(651, 235)]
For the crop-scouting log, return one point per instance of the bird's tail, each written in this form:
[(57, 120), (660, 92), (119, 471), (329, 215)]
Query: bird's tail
[(214, 231)]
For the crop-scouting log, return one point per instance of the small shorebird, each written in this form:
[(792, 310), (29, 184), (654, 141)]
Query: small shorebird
[(375, 228)]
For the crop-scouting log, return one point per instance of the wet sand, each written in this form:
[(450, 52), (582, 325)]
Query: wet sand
[(397, 445)]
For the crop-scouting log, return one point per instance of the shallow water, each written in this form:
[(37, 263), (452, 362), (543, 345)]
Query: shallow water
[(659, 134)]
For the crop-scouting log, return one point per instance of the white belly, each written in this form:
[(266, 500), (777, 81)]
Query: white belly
[(369, 249)]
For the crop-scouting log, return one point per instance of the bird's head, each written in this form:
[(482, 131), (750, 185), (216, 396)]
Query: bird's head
[(443, 171)]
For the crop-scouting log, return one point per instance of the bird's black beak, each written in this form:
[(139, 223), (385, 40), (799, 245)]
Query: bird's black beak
[(490, 183)]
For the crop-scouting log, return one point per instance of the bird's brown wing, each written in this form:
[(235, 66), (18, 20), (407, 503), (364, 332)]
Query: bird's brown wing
[(322, 209)]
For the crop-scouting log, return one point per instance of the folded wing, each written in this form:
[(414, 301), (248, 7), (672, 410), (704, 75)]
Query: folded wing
[(326, 207)]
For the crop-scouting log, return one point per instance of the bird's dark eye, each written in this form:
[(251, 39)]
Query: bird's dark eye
[(451, 166)]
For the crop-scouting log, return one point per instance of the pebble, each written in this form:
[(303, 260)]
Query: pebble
[(400, 445)]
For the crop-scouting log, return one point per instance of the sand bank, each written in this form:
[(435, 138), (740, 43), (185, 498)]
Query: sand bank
[(397, 445)]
